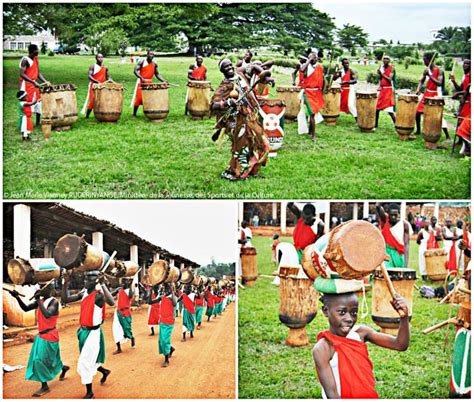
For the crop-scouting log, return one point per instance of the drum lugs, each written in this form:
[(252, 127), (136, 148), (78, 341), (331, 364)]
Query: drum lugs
[(432, 121), (249, 266), (366, 105), (406, 115), (198, 99), (59, 105), (108, 101), (155, 101)]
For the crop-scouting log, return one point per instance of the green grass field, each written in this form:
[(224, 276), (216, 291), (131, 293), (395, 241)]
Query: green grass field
[(270, 369), (177, 159)]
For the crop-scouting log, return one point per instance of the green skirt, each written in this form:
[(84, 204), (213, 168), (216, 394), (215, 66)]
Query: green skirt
[(45, 361), (209, 311), (164, 340), (126, 323), (199, 312), (82, 335), (396, 260), (188, 320)]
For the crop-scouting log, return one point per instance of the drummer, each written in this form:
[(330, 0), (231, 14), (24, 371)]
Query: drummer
[(199, 306), (209, 296), (122, 324), (308, 228), (246, 61), (145, 70), (386, 96), (451, 235), (154, 309), (434, 88), (341, 357), (396, 233), (189, 311), (197, 71), (435, 233), (422, 241), (98, 73), (262, 89), (44, 362), (463, 91), (348, 79)]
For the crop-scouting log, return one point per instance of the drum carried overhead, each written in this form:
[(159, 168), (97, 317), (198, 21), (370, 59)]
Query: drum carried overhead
[(155, 101), (290, 96), (108, 101), (273, 114), (332, 105), (435, 260), (383, 314), (59, 105), (21, 272), (366, 105), (406, 115), (125, 269), (432, 121), (248, 256), (198, 99), (187, 276)]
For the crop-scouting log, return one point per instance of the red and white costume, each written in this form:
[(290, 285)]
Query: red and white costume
[(147, 72), (386, 97), (99, 74), (33, 93), (348, 97)]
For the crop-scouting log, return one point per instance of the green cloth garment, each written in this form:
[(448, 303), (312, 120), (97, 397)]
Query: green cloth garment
[(199, 312), (188, 320), (209, 311), (396, 260), (83, 333), (164, 340), (45, 361), (126, 323)]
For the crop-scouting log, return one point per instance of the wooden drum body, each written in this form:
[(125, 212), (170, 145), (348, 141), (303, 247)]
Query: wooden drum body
[(383, 314), (73, 252), (59, 105), (273, 114), (289, 95), (187, 276), (108, 101), (298, 307), (432, 121), (198, 99), (162, 272), (249, 265), (366, 105), (21, 272), (155, 101), (332, 105), (435, 260), (406, 115), (125, 269)]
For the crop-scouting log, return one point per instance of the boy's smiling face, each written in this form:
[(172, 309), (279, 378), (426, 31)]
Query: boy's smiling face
[(341, 311)]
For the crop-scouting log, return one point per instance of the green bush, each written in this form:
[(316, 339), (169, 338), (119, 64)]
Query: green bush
[(51, 53), (402, 82)]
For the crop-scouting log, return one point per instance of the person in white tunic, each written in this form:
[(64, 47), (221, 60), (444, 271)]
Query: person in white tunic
[(451, 234), (422, 240)]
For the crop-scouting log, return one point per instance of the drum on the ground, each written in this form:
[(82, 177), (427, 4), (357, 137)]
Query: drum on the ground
[(155, 101), (435, 261), (248, 256), (273, 114), (108, 101), (198, 99), (290, 96), (332, 105), (59, 105), (366, 105), (432, 121), (406, 115)]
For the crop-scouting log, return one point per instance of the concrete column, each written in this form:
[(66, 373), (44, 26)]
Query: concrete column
[(181, 267), (48, 250), (365, 211), (156, 257), (241, 212), (98, 240), (283, 217), (327, 222), (403, 210), (172, 262), (274, 210), (134, 253), (436, 210), (22, 231), (355, 211)]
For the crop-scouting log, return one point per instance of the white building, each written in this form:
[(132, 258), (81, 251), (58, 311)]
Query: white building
[(21, 42)]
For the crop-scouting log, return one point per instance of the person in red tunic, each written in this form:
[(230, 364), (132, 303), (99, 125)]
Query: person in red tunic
[(348, 78), (463, 92), (29, 75), (312, 99), (308, 229), (145, 70), (434, 87), (154, 309), (464, 131), (98, 73), (122, 324), (199, 305), (341, 355), (197, 71), (45, 359), (386, 97)]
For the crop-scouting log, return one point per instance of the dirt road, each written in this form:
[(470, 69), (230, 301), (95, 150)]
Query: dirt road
[(203, 367)]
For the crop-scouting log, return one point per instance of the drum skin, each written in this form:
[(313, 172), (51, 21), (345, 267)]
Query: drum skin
[(59, 105), (22, 273), (332, 105), (383, 314), (406, 115), (366, 105), (432, 121), (108, 101), (198, 98), (289, 95), (158, 272), (155, 101), (249, 265), (73, 252), (435, 260)]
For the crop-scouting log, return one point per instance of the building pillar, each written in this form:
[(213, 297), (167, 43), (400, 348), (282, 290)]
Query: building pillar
[(134, 253), (171, 262), (436, 210), (241, 212), (48, 250), (365, 210), (283, 217), (98, 240), (403, 210), (274, 210), (156, 257), (355, 211), (22, 231)]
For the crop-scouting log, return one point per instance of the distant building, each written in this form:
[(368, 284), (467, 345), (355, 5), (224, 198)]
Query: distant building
[(21, 42)]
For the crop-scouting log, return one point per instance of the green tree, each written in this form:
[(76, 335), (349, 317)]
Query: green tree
[(351, 37)]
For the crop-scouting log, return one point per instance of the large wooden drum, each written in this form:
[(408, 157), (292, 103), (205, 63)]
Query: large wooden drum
[(432, 121), (125, 269), (198, 99), (289, 95), (435, 260), (273, 115), (366, 105), (73, 252), (59, 105), (248, 256), (298, 306), (383, 314), (187, 276), (406, 115), (21, 272), (108, 101), (332, 105), (162, 272), (155, 101)]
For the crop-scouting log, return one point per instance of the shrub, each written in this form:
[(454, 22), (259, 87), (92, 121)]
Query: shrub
[(50, 53)]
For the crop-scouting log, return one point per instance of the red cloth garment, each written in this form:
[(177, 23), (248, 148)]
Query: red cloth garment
[(147, 72), (465, 237), (28, 114), (124, 303), (452, 262), (87, 310), (154, 315), (167, 311), (199, 73), (199, 301), (32, 72), (303, 235), (300, 78), (188, 304), (432, 242), (47, 323), (209, 299), (355, 368), (431, 90), (345, 89), (464, 129), (386, 96), (313, 89), (390, 238), (466, 109), (100, 76)]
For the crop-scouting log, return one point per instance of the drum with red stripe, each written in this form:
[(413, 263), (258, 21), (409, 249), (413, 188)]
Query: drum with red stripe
[(272, 112)]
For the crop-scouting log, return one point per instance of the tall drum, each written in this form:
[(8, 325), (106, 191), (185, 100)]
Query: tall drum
[(108, 101), (155, 101), (406, 115), (332, 105), (22, 272), (435, 260), (198, 99), (383, 314), (59, 105), (298, 305), (290, 95), (432, 121), (272, 112), (248, 256), (366, 105)]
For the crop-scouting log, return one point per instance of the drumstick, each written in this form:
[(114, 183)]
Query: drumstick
[(439, 325), (11, 290), (41, 289), (107, 264), (447, 296), (391, 289)]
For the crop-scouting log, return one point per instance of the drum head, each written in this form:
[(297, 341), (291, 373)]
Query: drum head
[(18, 271), (69, 251), (158, 272), (248, 251), (187, 276), (396, 274)]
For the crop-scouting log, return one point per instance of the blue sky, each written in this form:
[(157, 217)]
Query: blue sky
[(403, 21)]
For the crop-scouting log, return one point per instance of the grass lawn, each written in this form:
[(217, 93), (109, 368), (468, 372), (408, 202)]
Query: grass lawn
[(177, 159), (270, 369)]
